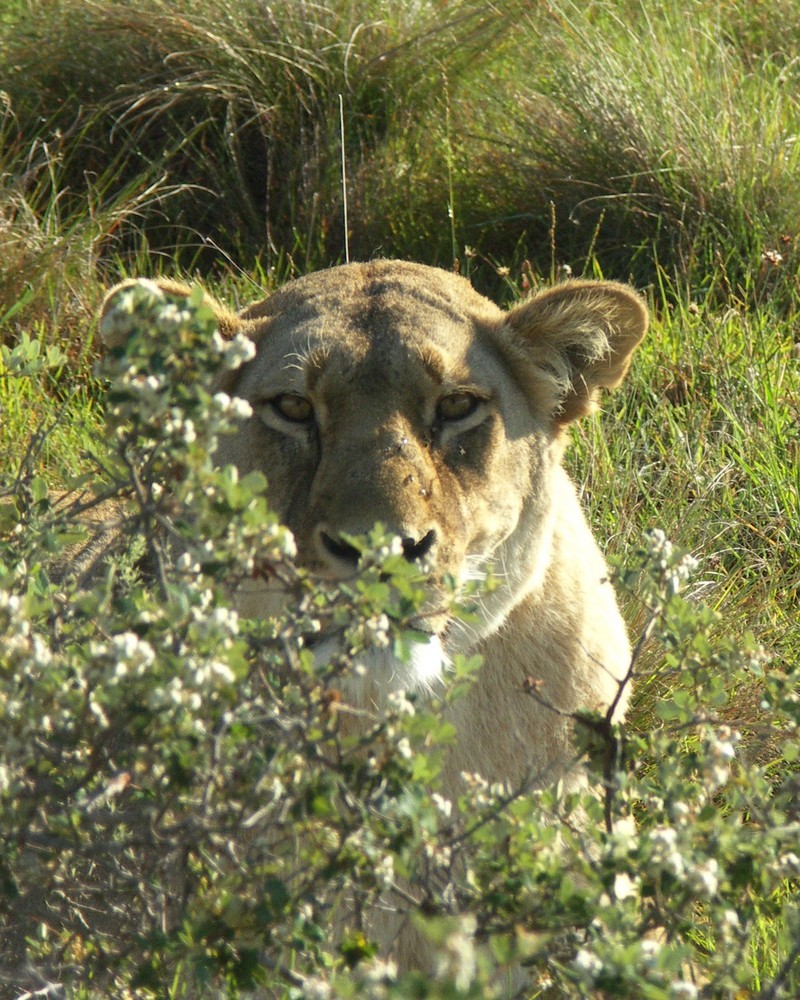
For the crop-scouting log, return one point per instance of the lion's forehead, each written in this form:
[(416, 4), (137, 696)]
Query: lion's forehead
[(390, 335), (411, 288)]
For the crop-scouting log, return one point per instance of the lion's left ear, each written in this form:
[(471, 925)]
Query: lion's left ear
[(579, 336), (112, 335)]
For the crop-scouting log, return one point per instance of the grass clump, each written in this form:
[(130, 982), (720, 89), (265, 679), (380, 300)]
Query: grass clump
[(638, 137), (634, 138), (235, 104)]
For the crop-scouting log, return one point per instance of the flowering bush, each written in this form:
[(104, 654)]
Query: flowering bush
[(187, 810)]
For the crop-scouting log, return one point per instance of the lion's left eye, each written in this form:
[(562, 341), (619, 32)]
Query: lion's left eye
[(457, 406), (290, 406)]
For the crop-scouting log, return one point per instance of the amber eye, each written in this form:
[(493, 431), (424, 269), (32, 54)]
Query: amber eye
[(456, 406), (292, 407)]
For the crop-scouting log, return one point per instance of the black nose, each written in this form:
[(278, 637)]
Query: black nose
[(345, 552), (413, 549), (340, 549)]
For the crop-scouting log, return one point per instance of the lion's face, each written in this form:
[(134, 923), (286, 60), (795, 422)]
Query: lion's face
[(394, 393)]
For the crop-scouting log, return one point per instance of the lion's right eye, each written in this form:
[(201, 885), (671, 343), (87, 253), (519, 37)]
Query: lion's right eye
[(457, 406), (292, 407)]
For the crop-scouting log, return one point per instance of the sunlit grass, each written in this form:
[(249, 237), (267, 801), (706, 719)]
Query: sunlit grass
[(47, 428), (635, 136)]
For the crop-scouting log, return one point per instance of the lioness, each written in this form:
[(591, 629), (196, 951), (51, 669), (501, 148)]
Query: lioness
[(393, 392)]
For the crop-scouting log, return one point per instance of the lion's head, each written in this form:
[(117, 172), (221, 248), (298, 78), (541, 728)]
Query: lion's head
[(393, 392)]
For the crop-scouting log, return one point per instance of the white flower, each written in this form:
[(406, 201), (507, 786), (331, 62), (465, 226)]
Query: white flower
[(226, 618), (132, 654), (704, 877), (771, 257), (234, 407), (315, 988), (682, 990), (623, 836), (587, 964), (680, 811), (457, 958), (789, 865), (221, 672), (664, 837), (624, 886), (238, 351), (9, 603), (170, 317), (377, 628), (445, 806), (721, 752), (665, 850), (398, 701), (439, 854), (185, 564), (650, 950), (240, 408), (97, 711), (384, 871), (731, 919), (40, 654), (214, 673), (723, 745), (283, 539), (379, 970), (477, 786), (659, 543), (676, 571), (181, 427), (175, 690)]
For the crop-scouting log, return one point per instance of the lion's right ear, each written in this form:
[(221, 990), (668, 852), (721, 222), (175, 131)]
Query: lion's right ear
[(111, 334)]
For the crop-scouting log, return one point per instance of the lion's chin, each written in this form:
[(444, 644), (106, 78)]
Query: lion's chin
[(378, 673)]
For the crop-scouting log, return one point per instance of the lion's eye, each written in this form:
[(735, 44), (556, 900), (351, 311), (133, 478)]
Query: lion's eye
[(456, 406), (298, 409)]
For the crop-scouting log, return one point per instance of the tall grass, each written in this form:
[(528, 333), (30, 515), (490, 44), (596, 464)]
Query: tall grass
[(639, 136), (52, 240), (671, 134), (634, 137), (704, 442), (235, 102)]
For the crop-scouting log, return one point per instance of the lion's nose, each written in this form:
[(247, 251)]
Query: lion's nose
[(343, 552), (413, 549)]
